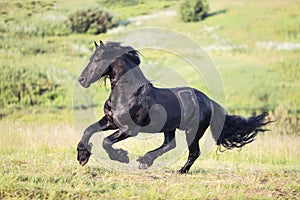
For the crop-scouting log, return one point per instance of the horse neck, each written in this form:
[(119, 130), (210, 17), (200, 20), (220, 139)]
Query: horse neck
[(126, 76)]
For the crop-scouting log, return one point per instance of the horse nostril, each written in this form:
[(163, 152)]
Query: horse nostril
[(81, 79)]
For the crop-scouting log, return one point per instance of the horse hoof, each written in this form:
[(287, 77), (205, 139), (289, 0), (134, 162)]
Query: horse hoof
[(124, 159), (122, 156), (143, 166), (83, 153), (182, 171), (145, 162), (119, 155), (83, 162)]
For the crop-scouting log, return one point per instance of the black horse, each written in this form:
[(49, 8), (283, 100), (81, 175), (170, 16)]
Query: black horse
[(135, 105)]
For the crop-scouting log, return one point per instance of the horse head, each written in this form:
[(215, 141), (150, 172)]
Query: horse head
[(102, 60)]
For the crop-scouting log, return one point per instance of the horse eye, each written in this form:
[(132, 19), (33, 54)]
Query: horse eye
[(97, 60)]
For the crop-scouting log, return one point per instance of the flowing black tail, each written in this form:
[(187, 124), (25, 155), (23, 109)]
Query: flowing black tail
[(239, 131)]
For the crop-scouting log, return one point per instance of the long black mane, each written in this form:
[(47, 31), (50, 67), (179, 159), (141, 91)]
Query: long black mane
[(115, 49)]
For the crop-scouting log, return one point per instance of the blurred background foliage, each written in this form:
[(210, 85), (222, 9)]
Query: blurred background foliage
[(45, 44), (93, 20), (30, 86), (193, 11)]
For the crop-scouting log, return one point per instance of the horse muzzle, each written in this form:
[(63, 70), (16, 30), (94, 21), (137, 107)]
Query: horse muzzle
[(83, 82)]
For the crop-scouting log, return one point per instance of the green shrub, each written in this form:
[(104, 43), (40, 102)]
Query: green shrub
[(23, 87), (93, 20), (193, 10)]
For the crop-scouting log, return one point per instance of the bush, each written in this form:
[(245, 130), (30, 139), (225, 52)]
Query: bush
[(93, 20), (193, 10), (23, 87)]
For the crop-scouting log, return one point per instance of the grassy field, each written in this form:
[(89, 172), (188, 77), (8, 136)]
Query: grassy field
[(39, 162), (255, 46)]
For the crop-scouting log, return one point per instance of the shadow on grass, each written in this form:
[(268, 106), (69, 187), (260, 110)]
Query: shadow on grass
[(216, 13)]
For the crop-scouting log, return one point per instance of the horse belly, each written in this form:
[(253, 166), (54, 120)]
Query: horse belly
[(161, 119)]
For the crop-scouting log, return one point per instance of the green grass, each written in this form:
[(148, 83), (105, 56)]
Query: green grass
[(38, 161), (38, 143)]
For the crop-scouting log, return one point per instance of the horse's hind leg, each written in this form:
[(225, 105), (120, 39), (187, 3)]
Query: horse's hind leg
[(193, 144), (168, 144)]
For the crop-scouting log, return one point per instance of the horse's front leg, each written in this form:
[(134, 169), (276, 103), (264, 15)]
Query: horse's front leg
[(118, 154), (83, 147)]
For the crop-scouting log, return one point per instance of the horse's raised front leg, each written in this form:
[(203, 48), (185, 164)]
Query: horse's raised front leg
[(168, 144), (83, 147), (117, 154)]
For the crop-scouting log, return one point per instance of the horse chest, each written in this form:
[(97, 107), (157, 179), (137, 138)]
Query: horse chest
[(125, 111)]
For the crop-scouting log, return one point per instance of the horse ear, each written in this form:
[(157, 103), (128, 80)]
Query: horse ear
[(96, 45), (101, 43)]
